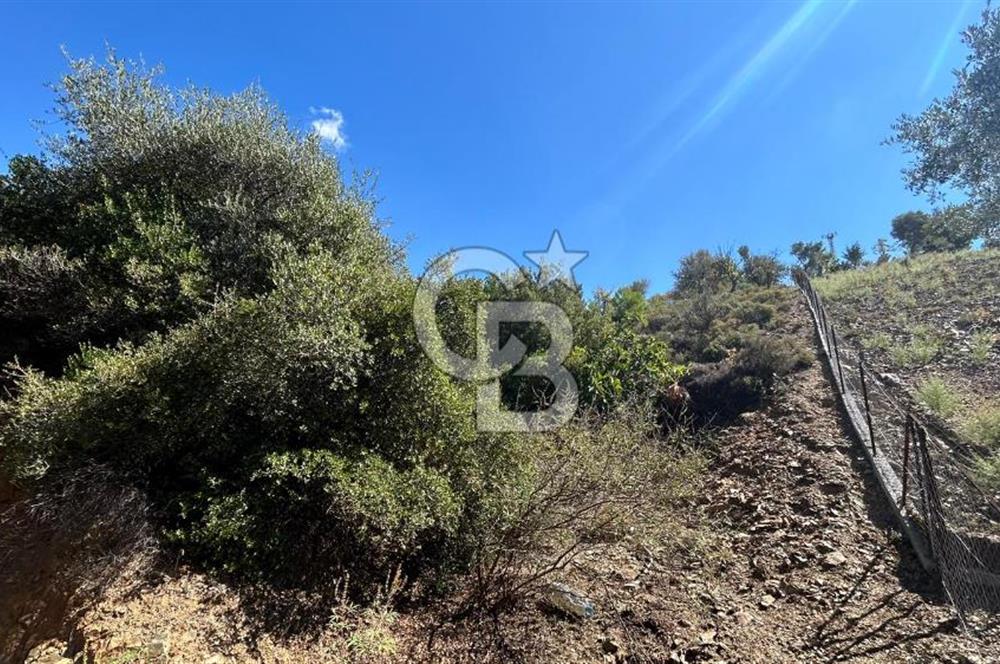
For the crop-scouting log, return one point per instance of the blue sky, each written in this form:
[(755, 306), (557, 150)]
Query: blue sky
[(641, 131)]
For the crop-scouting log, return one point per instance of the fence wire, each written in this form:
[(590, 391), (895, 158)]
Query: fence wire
[(925, 472)]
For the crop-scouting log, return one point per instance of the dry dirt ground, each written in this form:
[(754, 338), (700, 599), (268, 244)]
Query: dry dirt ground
[(790, 555)]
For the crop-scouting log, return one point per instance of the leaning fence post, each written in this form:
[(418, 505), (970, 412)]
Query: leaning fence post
[(907, 434), (823, 336), (840, 368), (868, 410)]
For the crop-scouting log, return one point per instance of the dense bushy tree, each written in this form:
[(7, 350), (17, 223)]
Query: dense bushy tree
[(954, 228), (614, 364), (166, 199), (306, 422), (950, 229), (247, 336)]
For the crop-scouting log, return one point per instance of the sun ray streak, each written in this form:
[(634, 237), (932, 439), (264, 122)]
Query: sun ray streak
[(942, 52), (753, 68), (797, 68)]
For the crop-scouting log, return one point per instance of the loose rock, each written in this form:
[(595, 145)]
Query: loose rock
[(569, 601)]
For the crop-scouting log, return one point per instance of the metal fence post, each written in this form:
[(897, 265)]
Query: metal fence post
[(840, 368), (868, 410), (907, 434), (824, 334)]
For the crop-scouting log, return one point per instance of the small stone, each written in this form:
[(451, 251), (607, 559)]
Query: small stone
[(834, 559), (158, 650), (569, 601), (49, 652), (825, 547), (891, 379), (833, 488), (766, 601)]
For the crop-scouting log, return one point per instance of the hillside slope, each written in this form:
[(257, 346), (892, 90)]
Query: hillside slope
[(786, 553), (936, 315)]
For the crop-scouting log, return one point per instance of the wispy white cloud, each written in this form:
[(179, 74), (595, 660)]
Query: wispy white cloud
[(946, 43), (329, 126)]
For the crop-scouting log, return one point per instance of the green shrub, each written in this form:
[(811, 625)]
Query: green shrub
[(983, 426), (986, 471), (923, 347), (761, 270), (765, 358), (981, 346), (692, 327), (317, 389), (625, 367), (877, 341), (760, 314), (613, 363), (44, 304), (356, 516), (938, 397), (732, 344), (711, 327)]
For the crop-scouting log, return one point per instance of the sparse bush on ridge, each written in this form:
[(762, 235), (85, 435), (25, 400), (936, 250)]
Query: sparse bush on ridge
[(922, 275), (732, 342), (703, 272), (760, 269)]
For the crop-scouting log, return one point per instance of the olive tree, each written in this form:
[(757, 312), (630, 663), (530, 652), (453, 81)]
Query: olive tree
[(955, 142)]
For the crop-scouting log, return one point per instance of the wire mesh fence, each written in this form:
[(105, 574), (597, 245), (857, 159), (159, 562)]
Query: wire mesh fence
[(924, 470)]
